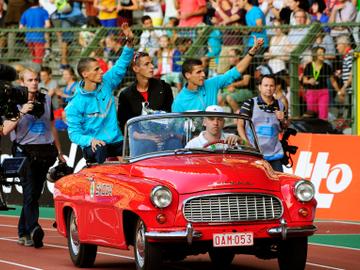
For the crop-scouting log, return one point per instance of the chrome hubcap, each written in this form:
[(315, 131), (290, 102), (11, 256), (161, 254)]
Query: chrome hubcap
[(140, 245), (74, 235)]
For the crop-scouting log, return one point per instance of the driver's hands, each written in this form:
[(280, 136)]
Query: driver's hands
[(95, 143), (232, 139), (154, 138)]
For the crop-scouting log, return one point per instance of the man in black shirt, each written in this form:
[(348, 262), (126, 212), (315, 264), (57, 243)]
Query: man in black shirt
[(145, 92)]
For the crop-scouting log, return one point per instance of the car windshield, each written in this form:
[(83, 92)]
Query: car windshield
[(187, 133)]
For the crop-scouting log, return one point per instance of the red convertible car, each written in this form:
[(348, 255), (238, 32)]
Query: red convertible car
[(175, 194)]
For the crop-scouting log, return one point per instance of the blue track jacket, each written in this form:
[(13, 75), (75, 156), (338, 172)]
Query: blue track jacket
[(206, 94), (92, 115)]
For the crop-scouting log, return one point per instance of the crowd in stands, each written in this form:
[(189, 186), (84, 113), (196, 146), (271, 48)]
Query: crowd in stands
[(324, 74)]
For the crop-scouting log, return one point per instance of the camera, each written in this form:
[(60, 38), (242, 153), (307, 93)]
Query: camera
[(10, 97), (288, 149)]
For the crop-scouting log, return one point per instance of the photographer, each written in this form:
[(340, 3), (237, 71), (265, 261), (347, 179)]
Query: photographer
[(269, 118), (34, 136)]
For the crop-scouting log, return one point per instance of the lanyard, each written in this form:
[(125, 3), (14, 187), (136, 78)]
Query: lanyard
[(316, 73)]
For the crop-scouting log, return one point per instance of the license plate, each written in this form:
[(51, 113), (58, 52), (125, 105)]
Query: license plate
[(233, 239)]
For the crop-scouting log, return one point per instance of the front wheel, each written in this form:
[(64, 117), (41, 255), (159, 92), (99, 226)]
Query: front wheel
[(147, 255), (293, 253), (221, 258), (82, 255)]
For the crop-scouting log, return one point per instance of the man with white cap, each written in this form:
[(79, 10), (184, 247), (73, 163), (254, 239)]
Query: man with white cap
[(213, 133)]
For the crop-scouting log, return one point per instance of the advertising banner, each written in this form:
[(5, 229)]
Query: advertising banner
[(331, 162)]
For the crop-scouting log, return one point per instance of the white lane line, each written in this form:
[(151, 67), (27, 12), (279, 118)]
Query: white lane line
[(21, 265), (324, 266), (65, 247), (333, 246)]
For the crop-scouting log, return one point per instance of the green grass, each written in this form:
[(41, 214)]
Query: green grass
[(45, 212), (344, 240)]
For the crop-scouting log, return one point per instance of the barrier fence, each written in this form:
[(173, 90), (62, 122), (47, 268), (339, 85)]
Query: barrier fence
[(286, 58)]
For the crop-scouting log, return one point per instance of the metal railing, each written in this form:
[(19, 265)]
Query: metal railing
[(92, 41)]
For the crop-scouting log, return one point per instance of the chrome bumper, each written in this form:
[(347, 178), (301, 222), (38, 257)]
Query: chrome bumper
[(189, 234), (284, 231)]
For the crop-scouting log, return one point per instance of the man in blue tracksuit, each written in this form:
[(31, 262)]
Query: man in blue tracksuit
[(91, 114), (198, 93)]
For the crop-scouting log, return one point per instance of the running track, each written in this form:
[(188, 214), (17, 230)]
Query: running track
[(54, 255)]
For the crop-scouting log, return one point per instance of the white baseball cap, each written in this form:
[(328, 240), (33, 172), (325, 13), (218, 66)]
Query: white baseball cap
[(214, 108)]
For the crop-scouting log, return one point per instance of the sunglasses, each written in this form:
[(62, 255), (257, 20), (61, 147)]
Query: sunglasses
[(137, 56)]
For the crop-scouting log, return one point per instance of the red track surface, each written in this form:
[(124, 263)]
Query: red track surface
[(54, 255)]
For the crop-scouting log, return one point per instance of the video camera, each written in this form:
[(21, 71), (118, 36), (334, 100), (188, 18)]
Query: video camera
[(11, 96), (288, 149)]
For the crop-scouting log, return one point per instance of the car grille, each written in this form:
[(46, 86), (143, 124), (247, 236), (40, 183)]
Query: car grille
[(232, 207)]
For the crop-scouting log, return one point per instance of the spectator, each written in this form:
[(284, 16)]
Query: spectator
[(229, 14), (213, 132), (323, 39), (214, 41), (191, 12), (75, 18), (35, 17), (172, 32), (164, 57), (15, 8), (86, 37), (107, 12), (315, 80), (279, 50), (170, 11), (199, 93), (238, 91), (90, 10), (254, 18), (343, 11), (296, 35), (145, 93), (318, 15), (125, 11), (271, 9), (175, 77), (70, 79), (149, 39), (343, 46), (152, 8), (2, 25), (91, 114), (68, 92), (268, 117), (50, 85), (295, 6), (114, 48), (36, 139)]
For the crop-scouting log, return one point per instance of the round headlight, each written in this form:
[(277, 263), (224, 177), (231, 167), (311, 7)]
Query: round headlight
[(161, 196), (304, 191)]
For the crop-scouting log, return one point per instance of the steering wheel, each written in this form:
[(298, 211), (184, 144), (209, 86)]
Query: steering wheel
[(214, 142)]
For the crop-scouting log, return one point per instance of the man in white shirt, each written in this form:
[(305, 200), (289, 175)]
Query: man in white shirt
[(213, 136)]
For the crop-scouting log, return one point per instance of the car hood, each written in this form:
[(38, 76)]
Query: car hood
[(194, 173)]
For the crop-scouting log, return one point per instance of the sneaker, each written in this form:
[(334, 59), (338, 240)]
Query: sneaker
[(37, 236), (25, 241), (21, 240), (28, 242)]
